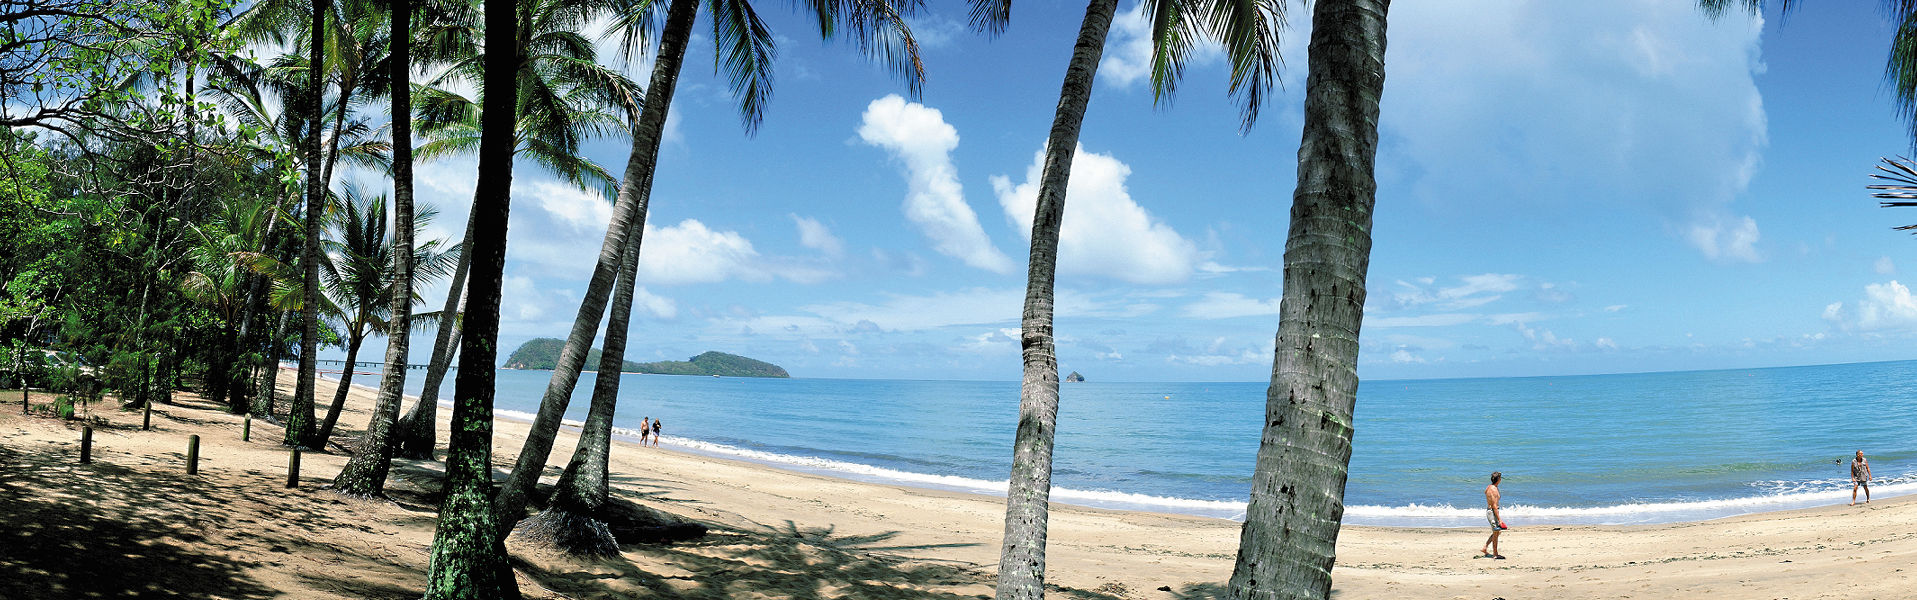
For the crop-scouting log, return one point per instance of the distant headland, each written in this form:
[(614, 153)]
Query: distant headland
[(543, 353)]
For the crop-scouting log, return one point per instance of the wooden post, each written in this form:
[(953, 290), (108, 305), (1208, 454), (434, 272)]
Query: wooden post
[(246, 431), (146, 416), (86, 444), (293, 469), (193, 455)]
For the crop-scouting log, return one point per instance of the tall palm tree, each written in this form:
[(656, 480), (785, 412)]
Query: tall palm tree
[(365, 474), (360, 279), (877, 27), (468, 558), (565, 98), (225, 261), (1021, 567), (1287, 546)]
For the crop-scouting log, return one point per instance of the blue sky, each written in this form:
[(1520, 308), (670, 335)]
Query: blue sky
[(1564, 188)]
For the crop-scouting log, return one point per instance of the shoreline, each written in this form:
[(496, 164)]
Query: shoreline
[(234, 527), (1438, 516)]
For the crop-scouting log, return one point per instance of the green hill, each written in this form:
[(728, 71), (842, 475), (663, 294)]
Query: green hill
[(543, 353)]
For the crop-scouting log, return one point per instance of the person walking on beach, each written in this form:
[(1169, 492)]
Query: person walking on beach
[(645, 429), (1859, 477), (1491, 514), (655, 433)]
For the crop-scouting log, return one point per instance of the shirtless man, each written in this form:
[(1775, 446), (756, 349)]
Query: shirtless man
[(1491, 514), (1859, 477)]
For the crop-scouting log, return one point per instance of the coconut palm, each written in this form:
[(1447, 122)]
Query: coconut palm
[(360, 281), (565, 98), (468, 558), (365, 473), (741, 39), (225, 261), (1286, 548)]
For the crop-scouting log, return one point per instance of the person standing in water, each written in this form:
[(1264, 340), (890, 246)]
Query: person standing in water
[(1491, 514), (1859, 477)]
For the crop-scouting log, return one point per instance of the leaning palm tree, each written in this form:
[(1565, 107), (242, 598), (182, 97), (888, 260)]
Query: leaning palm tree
[(877, 27), (565, 98), (468, 558), (1901, 192), (360, 280)]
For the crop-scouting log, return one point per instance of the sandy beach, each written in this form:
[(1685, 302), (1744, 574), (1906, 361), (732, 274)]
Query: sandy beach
[(133, 524)]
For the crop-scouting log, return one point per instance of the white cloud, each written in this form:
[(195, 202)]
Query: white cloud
[(1472, 291), (1435, 320), (656, 305), (1887, 305), (582, 210), (1634, 105), (935, 202), (1884, 266), (815, 235), (1227, 305), (1727, 241), (1105, 233), (1402, 355), (1615, 307), (690, 252)]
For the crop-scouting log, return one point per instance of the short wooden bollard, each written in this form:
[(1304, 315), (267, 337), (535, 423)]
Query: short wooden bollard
[(86, 445), (246, 430), (146, 416), (193, 455), (293, 469)]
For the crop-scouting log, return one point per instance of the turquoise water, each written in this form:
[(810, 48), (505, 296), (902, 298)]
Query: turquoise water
[(1638, 448)]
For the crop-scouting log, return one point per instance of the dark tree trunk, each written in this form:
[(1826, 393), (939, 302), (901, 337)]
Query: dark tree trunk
[(1021, 566), (365, 473), (325, 432), (270, 380), (299, 424), (468, 559), (628, 216), (1297, 493), (419, 427), (572, 521)]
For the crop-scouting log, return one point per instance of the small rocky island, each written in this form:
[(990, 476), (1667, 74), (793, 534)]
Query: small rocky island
[(543, 353), (1074, 377)]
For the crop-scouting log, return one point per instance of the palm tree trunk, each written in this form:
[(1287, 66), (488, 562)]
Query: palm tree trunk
[(1286, 549), (419, 427), (299, 425), (571, 520), (270, 381), (1021, 565), (339, 395), (628, 218), (365, 473), (468, 556)]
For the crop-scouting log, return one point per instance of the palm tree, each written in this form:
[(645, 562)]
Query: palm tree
[(468, 559), (225, 262), (1286, 548), (877, 27), (565, 97), (361, 282), (1021, 567), (365, 474)]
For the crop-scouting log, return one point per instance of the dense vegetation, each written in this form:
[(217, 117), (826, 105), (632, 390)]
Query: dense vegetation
[(543, 353)]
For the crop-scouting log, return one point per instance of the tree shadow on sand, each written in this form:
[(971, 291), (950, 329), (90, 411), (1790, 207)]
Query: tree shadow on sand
[(114, 531)]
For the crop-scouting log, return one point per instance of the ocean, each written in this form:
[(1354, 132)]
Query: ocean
[(1601, 449)]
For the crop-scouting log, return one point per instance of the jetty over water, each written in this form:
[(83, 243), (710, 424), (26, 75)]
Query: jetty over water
[(376, 366)]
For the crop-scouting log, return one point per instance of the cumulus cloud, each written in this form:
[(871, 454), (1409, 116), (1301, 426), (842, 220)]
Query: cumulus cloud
[(919, 137), (581, 210), (815, 235), (1884, 266), (1887, 305), (1105, 233), (1638, 105)]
